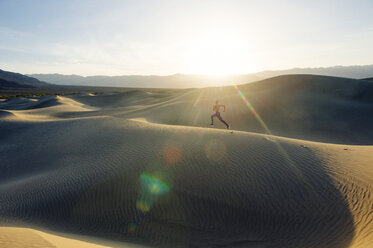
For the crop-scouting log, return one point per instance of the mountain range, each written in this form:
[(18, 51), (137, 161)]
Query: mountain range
[(11, 80), (197, 81)]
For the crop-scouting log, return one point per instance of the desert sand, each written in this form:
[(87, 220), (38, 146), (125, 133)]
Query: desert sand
[(16, 237), (144, 167)]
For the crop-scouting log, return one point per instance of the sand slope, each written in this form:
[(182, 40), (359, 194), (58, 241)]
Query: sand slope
[(317, 108), (15, 237), (145, 169)]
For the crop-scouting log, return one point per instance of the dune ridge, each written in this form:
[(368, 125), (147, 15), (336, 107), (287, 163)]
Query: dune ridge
[(143, 167)]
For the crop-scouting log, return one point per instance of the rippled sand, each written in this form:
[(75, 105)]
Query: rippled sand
[(144, 167)]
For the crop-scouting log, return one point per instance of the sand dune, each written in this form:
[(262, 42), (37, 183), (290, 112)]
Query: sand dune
[(15, 237), (50, 108), (144, 167), (317, 108)]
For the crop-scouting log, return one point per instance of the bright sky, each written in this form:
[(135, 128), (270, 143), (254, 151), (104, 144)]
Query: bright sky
[(192, 36)]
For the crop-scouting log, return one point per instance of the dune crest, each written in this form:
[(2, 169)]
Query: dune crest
[(48, 108)]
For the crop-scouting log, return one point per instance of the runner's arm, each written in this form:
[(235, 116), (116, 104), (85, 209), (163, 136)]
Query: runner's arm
[(223, 107)]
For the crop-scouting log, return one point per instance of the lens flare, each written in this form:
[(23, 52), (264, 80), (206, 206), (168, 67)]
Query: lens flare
[(251, 108), (197, 101), (286, 156), (197, 106), (143, 205), (196, 118), (153, 185), (171, 154), (151, 190), (132, 227)]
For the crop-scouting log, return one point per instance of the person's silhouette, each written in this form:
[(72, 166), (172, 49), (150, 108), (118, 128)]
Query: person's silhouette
[(216, 108)]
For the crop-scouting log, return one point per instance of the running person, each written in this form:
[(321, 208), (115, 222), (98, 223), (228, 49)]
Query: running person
[(216, 108)]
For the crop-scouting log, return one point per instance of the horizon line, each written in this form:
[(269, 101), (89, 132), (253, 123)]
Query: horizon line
[(199, 74)]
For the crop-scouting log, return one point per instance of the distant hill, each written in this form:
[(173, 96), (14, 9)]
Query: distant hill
[(11, 80), (14, 84), (199, 81), (311, 107), (5, 84), (356, 72), (151, 81)]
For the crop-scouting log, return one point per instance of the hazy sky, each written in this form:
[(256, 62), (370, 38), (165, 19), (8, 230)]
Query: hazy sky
[(165, 37)]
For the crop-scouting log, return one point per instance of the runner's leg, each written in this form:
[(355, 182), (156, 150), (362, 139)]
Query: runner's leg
[(212, 119), (221, 119)]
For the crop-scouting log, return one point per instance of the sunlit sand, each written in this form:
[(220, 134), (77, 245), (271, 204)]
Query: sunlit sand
[(144, 167)]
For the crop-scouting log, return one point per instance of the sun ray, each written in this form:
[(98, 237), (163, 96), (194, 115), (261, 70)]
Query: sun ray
[(286, 156), (196, 104), (253, 111)]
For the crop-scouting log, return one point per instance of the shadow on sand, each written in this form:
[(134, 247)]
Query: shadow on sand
[(254, 195)]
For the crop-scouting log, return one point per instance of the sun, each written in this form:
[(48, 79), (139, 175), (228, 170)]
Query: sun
[(219, 54)]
